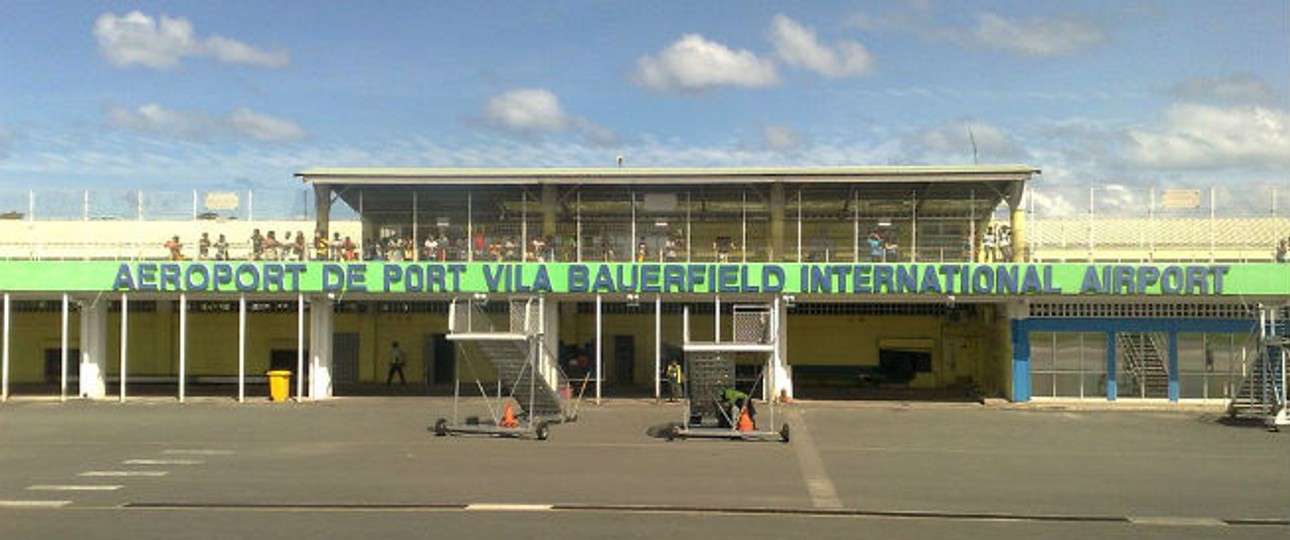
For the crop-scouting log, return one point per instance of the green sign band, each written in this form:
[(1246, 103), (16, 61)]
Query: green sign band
[(665, 278)]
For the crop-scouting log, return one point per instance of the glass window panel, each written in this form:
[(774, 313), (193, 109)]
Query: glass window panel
[(1095, 384), (1041, 351), (1041, 384), (1068, 385), (1192, 353), (1068, 350), (1191, 385), (1125, 385)]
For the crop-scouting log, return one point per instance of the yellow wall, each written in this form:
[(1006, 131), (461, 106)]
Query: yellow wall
[(974, 349)]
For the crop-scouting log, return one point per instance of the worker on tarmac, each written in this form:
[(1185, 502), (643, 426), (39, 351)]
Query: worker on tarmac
[(733, 403)]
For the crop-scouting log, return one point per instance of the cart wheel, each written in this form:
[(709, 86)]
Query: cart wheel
[(542, 431), (783, 433), (441, 427)]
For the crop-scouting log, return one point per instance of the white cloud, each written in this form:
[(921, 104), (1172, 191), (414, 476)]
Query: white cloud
[(1038, 37), (780, 137), (798, 46), (136, 38), (694, 64), (956, 142), (236, 52), (1232, 89), (1198, 136), (533, 111), (153, 119), (262, 127), (156, 120), (526, 110)]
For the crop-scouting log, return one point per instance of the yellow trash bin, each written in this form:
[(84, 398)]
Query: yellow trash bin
[(279, 384)]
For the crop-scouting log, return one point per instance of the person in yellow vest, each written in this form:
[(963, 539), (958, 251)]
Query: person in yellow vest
[(674, 378)]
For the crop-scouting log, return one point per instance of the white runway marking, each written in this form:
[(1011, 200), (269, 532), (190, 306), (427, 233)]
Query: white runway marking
[(33, 504), (196, 452), (96, 487), (124, 473), (489, 507), (163, 462), (1176, 521), (823, 493)]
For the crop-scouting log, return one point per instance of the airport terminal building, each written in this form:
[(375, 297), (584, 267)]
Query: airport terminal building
[(845, 281)]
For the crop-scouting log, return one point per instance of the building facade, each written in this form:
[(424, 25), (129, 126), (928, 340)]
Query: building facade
[(882, 280)]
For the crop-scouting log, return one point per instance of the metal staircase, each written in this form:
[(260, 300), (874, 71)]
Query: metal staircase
[(1262, 393), (1145, 356), (526, 369)]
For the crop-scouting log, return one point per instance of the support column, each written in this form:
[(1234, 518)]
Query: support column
[(320, 347), (777, 223), (781, 382), (124, 370), (1112, 387), (241, 348), (62, 359), (658, 346), (93, 344), (1018, 224), (600, 348), (300, 347), (4, 368), (183, 345), (322, 210), (1017, 315), (549, 210), (1173, 366)]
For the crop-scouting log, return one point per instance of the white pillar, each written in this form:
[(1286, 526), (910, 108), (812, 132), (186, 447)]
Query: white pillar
[(716, 330), (600, 348), (658, 344), (125, 343), (783, 375), (4, 369), (320, 347), (241, 348), (300, 347), (93, 343), (62, 384), (183, 345)]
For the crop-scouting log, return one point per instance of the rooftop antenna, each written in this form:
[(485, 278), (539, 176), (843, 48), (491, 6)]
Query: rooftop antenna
[(972, 138)]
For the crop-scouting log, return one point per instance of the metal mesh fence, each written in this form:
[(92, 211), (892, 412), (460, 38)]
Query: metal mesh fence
[(150, 205)]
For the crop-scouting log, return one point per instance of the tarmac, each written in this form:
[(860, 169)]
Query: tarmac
[(365, 466)]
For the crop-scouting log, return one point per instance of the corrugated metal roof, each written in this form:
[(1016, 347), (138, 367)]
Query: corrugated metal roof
[(665, 175)]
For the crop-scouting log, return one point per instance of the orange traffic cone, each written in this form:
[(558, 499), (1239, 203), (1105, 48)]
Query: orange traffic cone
[(508, 417), (745, 421)]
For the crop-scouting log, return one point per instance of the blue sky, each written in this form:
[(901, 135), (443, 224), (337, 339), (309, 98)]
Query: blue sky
[(187, 95)]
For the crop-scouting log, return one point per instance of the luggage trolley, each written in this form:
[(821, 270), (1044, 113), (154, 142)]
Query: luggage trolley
[(711, 368), (531, 390)]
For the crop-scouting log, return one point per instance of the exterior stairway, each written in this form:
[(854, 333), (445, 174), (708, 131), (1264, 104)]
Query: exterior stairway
[(526, 371), (1145, 357), (1262, 393)]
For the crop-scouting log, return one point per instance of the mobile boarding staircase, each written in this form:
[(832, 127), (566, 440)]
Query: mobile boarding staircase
[(530, 392), (1262, 392), (710, 368)]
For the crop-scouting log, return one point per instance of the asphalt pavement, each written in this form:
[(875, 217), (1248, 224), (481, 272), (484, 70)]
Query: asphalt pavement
[(351, 467)]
